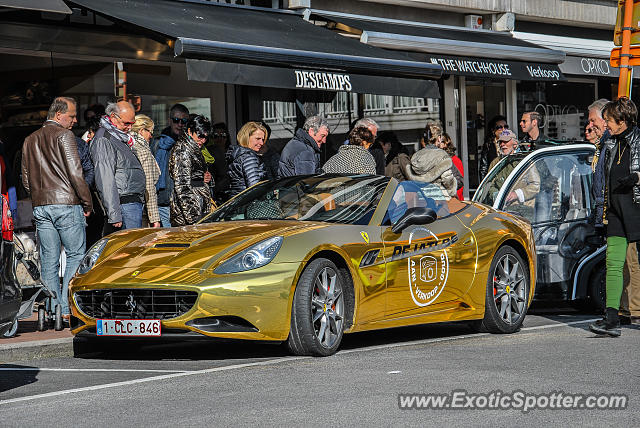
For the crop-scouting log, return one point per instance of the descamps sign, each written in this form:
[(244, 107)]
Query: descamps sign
[(322, 80)]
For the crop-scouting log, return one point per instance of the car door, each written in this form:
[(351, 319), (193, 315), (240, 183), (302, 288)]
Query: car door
[(553, 191), (421, 261)]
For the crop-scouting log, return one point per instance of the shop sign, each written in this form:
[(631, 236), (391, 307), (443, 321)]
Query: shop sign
[(322, 80), (588, 66), (478, 67)]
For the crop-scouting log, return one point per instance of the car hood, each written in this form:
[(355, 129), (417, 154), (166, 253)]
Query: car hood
[(196, 247)]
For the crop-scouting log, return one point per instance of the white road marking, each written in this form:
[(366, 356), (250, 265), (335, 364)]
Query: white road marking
[(149, 379), (36, 369), (394, 372), (266, 363)]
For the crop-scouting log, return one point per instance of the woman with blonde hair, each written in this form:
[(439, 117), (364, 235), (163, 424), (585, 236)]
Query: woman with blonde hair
[(142, 133), (243, 164)]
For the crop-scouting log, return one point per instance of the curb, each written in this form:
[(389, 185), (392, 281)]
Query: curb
[(50, 348)]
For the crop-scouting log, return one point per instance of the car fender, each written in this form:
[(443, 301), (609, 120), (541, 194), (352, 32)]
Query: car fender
[(583, 272)]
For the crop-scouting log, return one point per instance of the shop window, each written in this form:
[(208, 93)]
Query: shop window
[(563, 106), (405, 116)]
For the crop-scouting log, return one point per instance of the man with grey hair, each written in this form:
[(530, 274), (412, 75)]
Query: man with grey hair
[(301, 155), (119, 177), (530, 125), (52, 173)]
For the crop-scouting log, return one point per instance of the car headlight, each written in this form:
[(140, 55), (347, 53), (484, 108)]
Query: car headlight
[(253, 257), (91, 257)]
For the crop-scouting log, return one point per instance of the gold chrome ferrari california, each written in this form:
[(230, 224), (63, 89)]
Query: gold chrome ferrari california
[(305, 259)]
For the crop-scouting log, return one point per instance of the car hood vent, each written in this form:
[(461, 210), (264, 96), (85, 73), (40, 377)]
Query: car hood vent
[(172, 245)]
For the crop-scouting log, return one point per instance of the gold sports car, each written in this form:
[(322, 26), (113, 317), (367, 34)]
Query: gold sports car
[(306, 259)]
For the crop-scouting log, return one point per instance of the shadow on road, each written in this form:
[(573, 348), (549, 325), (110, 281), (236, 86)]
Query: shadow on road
[(17, 377)]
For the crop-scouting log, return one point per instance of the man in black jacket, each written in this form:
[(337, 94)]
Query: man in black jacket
[(301, 155)]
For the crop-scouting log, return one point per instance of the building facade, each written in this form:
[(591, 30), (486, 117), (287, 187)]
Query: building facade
[(458, 61)]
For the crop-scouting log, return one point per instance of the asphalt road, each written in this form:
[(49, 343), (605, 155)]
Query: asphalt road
[(231, 384)]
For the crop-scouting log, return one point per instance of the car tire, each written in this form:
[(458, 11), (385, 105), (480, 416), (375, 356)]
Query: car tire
[(12, 330), (507, 293), (318, 310), (598, 288)]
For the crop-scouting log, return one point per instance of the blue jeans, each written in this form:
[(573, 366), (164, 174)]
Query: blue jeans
[(165, 216), (131, 215), (59, 225)]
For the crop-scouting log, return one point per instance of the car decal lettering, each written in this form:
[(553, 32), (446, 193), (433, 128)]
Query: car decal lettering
[(403, 251)]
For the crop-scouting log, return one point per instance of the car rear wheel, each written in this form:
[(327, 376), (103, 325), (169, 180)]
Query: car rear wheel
[(318, 310), (507, 292)]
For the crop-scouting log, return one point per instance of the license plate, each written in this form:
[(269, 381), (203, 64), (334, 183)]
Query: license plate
[(128, 327)]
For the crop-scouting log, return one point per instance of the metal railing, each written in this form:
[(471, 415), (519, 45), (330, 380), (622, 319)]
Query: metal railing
[(374, 105)]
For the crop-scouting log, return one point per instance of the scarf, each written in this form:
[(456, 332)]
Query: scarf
[(105, 122)]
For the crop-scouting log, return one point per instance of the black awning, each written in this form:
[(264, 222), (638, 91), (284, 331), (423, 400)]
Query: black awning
[(277, 77), (262, 37), (55, 6), (495, 68), (462, 51)]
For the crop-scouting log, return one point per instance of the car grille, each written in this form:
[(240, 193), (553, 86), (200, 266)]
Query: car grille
[(135, 303)]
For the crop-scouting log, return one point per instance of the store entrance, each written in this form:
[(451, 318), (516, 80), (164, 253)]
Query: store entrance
[(485, 100)]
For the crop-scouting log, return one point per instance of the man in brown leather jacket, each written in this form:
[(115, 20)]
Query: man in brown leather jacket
[(52, 173)]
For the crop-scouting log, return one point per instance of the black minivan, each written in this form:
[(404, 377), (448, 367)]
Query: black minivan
[(10, 291)]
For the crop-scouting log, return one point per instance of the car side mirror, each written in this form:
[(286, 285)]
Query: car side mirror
[(414, 216)]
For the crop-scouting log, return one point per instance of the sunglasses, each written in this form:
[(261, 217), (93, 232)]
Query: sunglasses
[(220, 135), (182, 120), (123, 122), (203, 136), (501, 127)]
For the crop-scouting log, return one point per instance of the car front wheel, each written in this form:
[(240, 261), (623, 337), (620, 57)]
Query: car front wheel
[(318, 310), (507, 292)]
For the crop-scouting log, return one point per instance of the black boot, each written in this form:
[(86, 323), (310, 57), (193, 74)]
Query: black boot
[(609, 325)]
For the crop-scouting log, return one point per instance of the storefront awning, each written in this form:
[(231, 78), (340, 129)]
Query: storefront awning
[(462, 51), (220, 42), (55, 6)]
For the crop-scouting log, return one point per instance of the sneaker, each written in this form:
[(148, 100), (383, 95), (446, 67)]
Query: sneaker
[(635, 320), (609, 325)]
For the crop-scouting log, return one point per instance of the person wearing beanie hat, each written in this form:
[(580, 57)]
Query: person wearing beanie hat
[(433, 166)]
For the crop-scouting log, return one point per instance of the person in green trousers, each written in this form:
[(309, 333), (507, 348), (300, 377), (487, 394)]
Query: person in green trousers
[(622, 199)]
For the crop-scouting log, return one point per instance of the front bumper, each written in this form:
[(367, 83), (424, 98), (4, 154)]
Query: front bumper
[(253, 305)]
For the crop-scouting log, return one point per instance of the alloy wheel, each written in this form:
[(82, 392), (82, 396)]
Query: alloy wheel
[(509, 289), (327, 307)]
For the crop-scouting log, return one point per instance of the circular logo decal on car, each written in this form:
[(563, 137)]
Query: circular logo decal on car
[(428, 274)]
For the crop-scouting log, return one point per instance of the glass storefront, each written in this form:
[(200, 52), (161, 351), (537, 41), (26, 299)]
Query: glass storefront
[(563, 106), (485, 99)]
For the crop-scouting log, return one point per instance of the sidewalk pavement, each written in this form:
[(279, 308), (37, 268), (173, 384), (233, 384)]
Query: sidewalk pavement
[(29, 343)]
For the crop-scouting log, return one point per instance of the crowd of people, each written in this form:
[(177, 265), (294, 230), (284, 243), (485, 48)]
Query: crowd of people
[(118, 176)]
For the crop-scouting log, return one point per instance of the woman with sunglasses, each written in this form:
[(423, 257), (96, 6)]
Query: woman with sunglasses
[(490, 148), (190, 198), (244, 166), (142, 133)]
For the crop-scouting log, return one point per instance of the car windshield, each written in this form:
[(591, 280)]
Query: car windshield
[(328, 197), (490, 187)]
